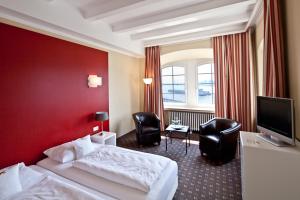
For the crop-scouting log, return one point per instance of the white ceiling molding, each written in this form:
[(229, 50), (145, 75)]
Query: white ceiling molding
[(101, 10), (201, 25), (256, 14), (197, 36), (127, 26), (177, 14)]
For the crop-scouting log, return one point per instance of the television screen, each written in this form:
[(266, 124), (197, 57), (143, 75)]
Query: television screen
[(275, 114)]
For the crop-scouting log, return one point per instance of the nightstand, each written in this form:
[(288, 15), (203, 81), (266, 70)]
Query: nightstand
[(107, 138)]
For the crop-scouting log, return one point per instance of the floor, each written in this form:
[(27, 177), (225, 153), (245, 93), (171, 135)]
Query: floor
[(198, 179)]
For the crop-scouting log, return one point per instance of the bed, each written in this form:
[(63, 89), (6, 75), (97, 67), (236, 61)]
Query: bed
[(164, 188), (22, 182), (94, 192)]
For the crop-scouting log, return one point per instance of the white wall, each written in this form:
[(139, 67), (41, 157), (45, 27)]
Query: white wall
[(125, 82), (165, 49)]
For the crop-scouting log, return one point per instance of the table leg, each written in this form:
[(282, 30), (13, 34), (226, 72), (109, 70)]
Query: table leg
[(186, 142), (190, 138), (166, 142)]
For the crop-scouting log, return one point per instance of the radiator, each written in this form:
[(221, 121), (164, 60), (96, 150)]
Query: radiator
[(193, 119)]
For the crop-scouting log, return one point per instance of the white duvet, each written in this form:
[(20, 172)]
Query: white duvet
[(50, 189), (131, 168)]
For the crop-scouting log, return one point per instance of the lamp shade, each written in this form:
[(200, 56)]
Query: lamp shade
[(147, 81), (94, 81), (101, 116)]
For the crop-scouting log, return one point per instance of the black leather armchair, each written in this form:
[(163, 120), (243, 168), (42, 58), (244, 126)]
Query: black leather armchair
[(147, 128), (218, 139)]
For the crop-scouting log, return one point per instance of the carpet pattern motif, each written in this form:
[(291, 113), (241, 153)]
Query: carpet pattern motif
[(198, 179)]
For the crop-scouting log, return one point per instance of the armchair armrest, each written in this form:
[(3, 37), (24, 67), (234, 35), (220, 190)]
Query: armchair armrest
[(157, 121), (231, 130), (207, 127)]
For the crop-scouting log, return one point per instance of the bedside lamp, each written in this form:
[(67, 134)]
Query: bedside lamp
[(101, 116)]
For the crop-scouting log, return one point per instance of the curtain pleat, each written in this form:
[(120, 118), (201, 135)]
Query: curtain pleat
[(233, 85), (154, 102), (274, 68)]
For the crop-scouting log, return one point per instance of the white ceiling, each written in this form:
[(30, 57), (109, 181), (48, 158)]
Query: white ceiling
[(129, 25)]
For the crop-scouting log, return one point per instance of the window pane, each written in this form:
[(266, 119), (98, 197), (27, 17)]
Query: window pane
[(168, 97), (166, 71), (178, 89), (180, 98), (178, 70), (212, 68), (205, 79), (173, 83), (167, 88), (205, 94), (167, 80), (204, 68), (178, 79)]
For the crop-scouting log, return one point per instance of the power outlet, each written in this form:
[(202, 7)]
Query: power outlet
[(96, 128)]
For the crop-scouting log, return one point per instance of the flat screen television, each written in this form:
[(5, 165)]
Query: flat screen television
[(275, 120)]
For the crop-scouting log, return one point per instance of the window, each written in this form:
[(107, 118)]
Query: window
[(206, 84), (173, 84)]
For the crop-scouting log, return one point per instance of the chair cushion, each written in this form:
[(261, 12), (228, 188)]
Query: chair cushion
[(148, 130)]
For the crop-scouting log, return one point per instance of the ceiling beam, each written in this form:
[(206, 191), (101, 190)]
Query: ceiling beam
[(256, 14), (109, 8), (201, 25), (197, 36), (207, 7)]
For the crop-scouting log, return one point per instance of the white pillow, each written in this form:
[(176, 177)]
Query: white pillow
[(61, 153), (83, 146), (10, 182)]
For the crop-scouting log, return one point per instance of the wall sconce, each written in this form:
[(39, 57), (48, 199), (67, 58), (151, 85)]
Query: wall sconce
[(94, 81), (147, 81)]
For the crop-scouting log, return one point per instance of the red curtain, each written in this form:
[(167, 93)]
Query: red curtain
[(153, 100), (233, 79), (274, 68)]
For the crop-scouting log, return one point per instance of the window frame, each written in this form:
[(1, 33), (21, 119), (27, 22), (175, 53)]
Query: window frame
[(191, 86), (175, 64)]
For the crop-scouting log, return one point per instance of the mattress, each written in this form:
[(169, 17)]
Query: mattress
[(77, 185), (164, 188)]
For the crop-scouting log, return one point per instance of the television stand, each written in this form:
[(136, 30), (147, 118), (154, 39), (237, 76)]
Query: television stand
[(268, 172), (273, 140)]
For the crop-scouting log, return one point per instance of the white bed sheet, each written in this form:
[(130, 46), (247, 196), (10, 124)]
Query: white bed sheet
[(77, 185), (164, 188), (50, 188)]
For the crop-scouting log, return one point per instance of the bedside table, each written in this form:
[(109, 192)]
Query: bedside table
[(107, 138)]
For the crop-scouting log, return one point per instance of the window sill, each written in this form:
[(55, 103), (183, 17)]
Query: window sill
[(187, 108)]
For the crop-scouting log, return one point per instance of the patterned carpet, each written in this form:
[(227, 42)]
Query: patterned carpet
[(198, 179)]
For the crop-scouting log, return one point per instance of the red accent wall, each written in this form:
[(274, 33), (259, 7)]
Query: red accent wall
[(44, 98)]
